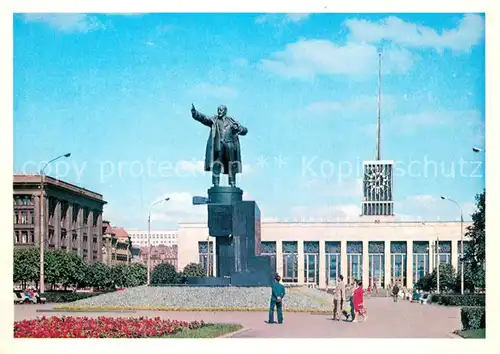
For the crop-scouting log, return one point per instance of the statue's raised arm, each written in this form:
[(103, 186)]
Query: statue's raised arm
[(200, 117)]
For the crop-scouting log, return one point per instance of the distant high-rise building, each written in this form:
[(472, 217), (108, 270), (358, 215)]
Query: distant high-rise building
[(166, 237)]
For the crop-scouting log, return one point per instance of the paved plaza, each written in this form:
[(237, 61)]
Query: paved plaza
[(386, 320)]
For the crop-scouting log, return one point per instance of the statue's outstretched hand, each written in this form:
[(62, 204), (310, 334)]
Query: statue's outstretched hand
[(193, 110)]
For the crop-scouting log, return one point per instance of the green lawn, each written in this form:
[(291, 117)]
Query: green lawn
[(211, 330), (473, 333)]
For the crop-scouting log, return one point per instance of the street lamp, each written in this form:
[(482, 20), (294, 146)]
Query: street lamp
[(42, 220), (149, 237), (461, 243), (436, 250)]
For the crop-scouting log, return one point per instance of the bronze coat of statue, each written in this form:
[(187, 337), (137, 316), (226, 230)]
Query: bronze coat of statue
[(223, 152)]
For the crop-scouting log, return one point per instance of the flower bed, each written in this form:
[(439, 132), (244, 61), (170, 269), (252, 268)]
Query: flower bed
[(101, 327)]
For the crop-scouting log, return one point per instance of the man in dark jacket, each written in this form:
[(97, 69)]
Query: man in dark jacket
[(277, 294)]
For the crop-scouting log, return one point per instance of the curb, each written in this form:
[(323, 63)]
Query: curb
[(82, 311), (232, 334), (179, 309)]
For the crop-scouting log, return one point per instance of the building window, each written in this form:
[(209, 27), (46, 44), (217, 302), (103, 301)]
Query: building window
[(444, 251), (206, 256), (51, 238), (376, 264), (290, 261), (64, 234), (24, 217), (267, 249), (420, 260), (94, 238), (398, 262), (354, 261), (85, 238), (24, 236), (75, 213), (332, 261), (85, 216), (311, 263)]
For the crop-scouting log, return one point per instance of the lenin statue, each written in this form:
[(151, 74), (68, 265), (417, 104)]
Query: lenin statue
[(223, 154)]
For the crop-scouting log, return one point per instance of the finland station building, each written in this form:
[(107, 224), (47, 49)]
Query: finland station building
[(376, 247)]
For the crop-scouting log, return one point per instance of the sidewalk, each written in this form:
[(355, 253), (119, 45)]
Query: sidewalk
[(386, 320)]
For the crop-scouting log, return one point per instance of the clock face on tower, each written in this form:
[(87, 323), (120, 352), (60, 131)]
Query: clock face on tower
[(377, 180)]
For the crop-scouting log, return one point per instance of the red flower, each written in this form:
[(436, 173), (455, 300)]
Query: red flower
[(100, 327)]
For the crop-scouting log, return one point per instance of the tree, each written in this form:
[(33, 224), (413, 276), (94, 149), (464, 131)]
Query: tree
[(475, 254), (26, 265), (474, 278), (98, 275), (126, 276), (425, 283), (165, 273), (447, 277), (137, 274), (194, 270)]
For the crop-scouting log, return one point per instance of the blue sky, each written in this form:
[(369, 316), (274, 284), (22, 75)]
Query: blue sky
[(116, 91)]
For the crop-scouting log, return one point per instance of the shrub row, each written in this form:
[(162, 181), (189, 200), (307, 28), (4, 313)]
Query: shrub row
[(459, 300), (473, 317), (61, 297)]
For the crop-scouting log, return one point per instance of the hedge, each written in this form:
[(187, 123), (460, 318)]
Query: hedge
[(459, 300), (63, 296), (473, 317)]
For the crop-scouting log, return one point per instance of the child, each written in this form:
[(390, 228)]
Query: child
[(359, 308)]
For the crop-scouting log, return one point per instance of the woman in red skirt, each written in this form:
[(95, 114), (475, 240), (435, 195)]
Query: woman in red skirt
[(359, 308)]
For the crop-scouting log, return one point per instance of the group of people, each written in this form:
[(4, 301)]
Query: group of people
[(351, 307)]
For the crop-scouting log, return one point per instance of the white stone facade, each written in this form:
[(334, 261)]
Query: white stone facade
[(393, 260)]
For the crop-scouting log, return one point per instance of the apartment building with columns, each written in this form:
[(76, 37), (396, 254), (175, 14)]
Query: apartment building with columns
[(73, 216)]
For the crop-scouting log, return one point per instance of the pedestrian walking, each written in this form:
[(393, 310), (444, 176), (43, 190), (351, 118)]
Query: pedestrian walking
[(338, 298), (358, 301)]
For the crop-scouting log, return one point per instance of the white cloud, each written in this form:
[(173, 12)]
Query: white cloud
[(191, 167), (471, 119), (179, 208), (282, 19), (305, 59), (240, 62), (341, 188), (362, 103), (297, 17), (430, 207), (341, 212), (215, 91), (67, 22), (468, 32)]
